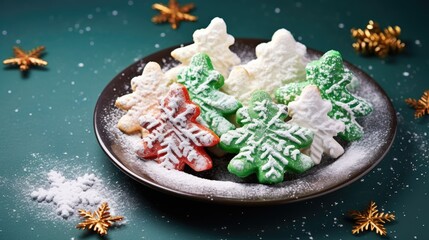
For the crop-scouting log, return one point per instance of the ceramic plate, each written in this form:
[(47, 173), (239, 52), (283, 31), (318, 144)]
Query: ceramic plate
[(217, 184)]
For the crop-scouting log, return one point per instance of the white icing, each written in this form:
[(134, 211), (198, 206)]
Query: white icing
[(214, 41), (272, 168), (268, 150), (247, 151), (309, 110), (280, 61)]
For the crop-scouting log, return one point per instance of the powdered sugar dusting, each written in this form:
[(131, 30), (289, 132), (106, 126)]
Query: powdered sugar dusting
[(67, 195), (53, 193), (359, 157)]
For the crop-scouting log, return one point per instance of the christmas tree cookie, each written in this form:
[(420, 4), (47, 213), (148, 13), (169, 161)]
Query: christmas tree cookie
[(309, 110), (330, 76), (213, 41), (203, 82), (266, 145), (175, 138), (278, 62), (147, 89)]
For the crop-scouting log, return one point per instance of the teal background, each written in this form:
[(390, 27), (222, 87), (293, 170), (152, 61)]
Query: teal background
[(46, 117)]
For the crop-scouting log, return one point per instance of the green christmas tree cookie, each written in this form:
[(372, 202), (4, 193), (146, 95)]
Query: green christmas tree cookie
[(203, 82), (330, 76), (266, 144)]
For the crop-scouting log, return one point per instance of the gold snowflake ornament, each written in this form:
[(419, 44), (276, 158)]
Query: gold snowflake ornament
[(421, 105), (173, 13), (374, 41), (25, 59), (99, 221), (371, 219)]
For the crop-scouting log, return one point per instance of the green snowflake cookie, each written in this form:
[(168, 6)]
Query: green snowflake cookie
[(330, 76), (266, 144), (203, 82)]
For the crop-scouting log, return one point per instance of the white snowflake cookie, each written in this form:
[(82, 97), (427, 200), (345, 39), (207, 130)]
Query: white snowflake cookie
[(147, 89), (280, 61), (213, 41), (309, 110)]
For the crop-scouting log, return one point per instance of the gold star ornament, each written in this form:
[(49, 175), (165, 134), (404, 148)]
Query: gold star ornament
[(421, 105), (173, 13), (371, 219), (26, 59), (99, 221)]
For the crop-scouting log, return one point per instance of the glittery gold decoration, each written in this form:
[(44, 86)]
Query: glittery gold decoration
[(25, 59), (173, 13), (421, 105), (373, 41), (99, 221), (371, 219)]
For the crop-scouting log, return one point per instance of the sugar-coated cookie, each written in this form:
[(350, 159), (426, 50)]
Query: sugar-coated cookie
[(309, 110), (266, 144), (280, 61), (147, 89), (172, 73), (175, 138), (330, 76), (213, 41), (203, 83)]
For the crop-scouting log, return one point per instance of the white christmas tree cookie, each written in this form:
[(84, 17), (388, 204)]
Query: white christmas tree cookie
[(280, 61), (147, 89), (213, 41), (309, 110)]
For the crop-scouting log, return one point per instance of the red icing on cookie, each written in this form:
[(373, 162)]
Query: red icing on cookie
[(175, 137)]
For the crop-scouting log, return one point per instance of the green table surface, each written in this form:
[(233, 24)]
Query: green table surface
[(46, 118)]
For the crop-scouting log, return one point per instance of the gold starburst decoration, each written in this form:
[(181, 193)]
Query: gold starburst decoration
[(25, 59), (99, 221), (421, 105), (173, 13), (371, 219), (374, 41)]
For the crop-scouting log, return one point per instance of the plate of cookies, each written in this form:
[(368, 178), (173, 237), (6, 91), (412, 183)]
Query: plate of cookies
[(244, 121)]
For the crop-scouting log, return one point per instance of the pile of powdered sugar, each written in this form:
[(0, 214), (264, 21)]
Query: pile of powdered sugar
[(58, 193), (69, 195), (359, 157)]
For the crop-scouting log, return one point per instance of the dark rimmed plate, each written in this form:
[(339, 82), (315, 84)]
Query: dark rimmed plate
[(219, 186)]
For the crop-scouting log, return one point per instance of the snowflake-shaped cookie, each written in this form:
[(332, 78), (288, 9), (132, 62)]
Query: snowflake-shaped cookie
[(266, 145), (280, 61), (213, 41), (67, 194), (175, 137), (147, 89), (309, 110)]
